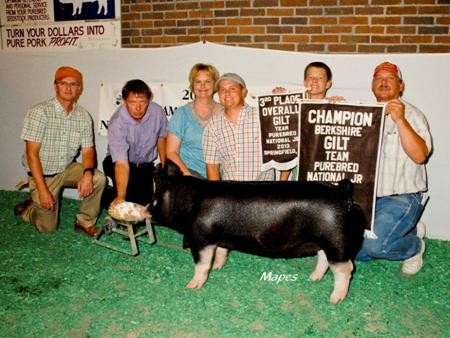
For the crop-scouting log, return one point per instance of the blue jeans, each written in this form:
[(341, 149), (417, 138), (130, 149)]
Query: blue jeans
[(396, 217)]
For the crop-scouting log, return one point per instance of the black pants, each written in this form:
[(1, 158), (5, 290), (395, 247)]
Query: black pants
[(140, 182)]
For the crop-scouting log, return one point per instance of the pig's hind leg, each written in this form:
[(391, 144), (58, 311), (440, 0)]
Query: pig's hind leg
[(220, 258), (321, 267), (203, 260), (342, 274)]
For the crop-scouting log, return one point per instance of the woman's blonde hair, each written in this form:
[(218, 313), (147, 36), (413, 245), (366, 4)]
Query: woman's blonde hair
[(202, 67)]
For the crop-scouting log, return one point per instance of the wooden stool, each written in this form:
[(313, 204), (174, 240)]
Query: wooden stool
[(127, 230)]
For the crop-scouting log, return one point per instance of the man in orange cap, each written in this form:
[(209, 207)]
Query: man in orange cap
[(402, 176), (54, 131)]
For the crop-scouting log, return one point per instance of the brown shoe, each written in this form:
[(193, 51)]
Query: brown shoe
[(20, 208), (90, 231)]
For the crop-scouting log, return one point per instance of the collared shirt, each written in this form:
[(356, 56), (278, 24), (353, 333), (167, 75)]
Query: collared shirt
[(236, 148), (60, 134), (135, 141), (397, 173), (189, 130)]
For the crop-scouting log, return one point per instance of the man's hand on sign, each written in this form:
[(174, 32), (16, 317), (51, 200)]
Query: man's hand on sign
[(335, 99), (279, 90), (396, 109)]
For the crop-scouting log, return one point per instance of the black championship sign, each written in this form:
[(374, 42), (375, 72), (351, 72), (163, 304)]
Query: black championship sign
[(278, 116), (340, 141)]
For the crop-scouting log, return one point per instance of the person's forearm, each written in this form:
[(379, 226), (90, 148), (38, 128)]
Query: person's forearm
[(175, 158), (414, 145), (213, 172), (161, 147), (121, 173), (35, 166), (88, 157), (284, 175)]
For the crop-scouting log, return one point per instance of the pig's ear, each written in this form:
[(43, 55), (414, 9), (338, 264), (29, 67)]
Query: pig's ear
[(346, 186), (172, 169), (158, 168)]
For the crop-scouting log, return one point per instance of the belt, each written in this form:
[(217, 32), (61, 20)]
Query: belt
[(45, 176), (142, 165)]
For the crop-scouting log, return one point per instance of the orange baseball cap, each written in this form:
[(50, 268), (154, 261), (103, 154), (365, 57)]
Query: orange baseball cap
[(66, 71), (388, 67)]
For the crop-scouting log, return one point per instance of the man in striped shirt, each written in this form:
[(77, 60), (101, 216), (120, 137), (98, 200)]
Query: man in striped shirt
[(231, 140)]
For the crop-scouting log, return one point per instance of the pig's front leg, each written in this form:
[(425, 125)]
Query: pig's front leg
[(321, 267), (342, 273), (220, 258), (202, 267)]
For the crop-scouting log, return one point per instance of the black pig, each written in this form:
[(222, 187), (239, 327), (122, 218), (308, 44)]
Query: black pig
[(272, 219)]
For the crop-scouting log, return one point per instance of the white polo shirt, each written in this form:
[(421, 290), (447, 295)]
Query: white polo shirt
[(397, 173)]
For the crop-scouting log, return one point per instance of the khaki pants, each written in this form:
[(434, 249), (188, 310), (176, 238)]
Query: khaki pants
[(46, 220)]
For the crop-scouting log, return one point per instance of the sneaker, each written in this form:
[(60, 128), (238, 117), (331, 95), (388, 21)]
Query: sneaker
[(421, 230), (413, 265)]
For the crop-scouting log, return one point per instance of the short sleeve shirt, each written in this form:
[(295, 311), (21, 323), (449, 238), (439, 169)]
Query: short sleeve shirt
[(60, 134), (189, 130), (237, 149), (398, 174), (136, 141)]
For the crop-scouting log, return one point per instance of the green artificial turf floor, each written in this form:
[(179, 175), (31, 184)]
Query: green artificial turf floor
[(63, 285)]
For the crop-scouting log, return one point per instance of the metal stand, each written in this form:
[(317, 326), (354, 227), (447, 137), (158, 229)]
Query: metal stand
[(126, 230)]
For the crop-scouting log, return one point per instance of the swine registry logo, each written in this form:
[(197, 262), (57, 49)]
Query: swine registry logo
[(70, 10)]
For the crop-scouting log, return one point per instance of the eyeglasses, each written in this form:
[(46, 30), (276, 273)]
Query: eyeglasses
[(68, 84)]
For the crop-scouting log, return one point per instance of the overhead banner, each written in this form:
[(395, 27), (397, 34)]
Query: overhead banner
[(342, 141), (278, 116), (60, 24)]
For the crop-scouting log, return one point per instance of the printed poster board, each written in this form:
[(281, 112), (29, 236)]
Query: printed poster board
[(335, 141), (279, 121), (60, 24), (342, 140)]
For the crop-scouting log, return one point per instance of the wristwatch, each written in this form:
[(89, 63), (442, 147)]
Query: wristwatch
[(91, 170)]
